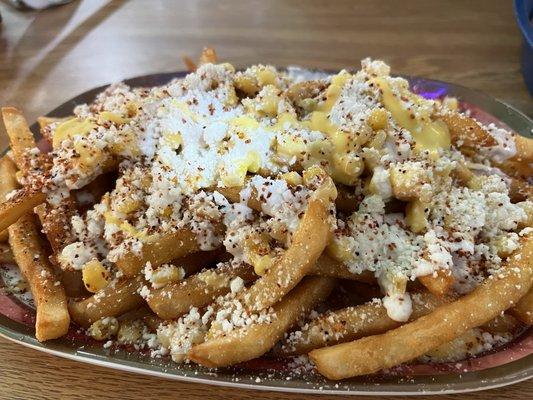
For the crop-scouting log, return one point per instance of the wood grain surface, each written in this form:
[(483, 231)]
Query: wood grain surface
[(49, 56)]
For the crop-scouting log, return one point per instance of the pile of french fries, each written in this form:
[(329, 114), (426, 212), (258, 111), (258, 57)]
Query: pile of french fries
[(205, 303)]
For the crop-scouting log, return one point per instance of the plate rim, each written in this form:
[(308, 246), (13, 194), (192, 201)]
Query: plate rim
[(263, 387)]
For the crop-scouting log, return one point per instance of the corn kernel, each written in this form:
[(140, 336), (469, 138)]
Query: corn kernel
[(340, 140), (415, 216), (451, 103), (284, 121), (407, 182), (95, 276), (316, 178), (504, 245), (312, 174), (269, 105), (319, 121), (347, 168), (246, 84), (378, 141), (378, 119), (130, 331), (237, 176), (340, 249), (292, 178), (173, 139), (261, 264), (291, 146), (166, 274), (266, 77), (104, 328), (245, 121), (128, 206), (132, 108), (88, 158), (253, 162)]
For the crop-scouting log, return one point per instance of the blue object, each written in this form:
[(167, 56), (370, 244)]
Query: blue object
[(524, 16)]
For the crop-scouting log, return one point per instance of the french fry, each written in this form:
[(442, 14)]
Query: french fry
[(502, 324), (158, 250), (516, 169), (524, 150), (208, 56), (309, 241), (112, 301), (439, 283), (21, 140), (73, 283), (197, 290), (55, 221), (19, 134), (189, 63), (248, 343), (374, 353), (21, 203), (519, 190), (524, 309), (468, 343), (8, 182), (351, 323), (327, 266), (6, 255), (466, 133), (52, 315), (194, 262)]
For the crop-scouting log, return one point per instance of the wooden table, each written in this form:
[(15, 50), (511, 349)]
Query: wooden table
[(47, 57)]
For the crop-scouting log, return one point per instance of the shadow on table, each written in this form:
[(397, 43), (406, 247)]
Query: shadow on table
[(45, 31)]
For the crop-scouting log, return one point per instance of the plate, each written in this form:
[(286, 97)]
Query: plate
[(510, 364)]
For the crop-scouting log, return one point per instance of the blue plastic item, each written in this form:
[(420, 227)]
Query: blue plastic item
[(524, 17)]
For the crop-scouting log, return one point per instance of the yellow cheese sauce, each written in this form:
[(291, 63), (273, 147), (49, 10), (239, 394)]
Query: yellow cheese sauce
[(428, 135), (344, 166), (69, 129)]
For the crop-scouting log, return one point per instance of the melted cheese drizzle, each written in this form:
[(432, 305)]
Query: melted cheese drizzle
[(429, 135)]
